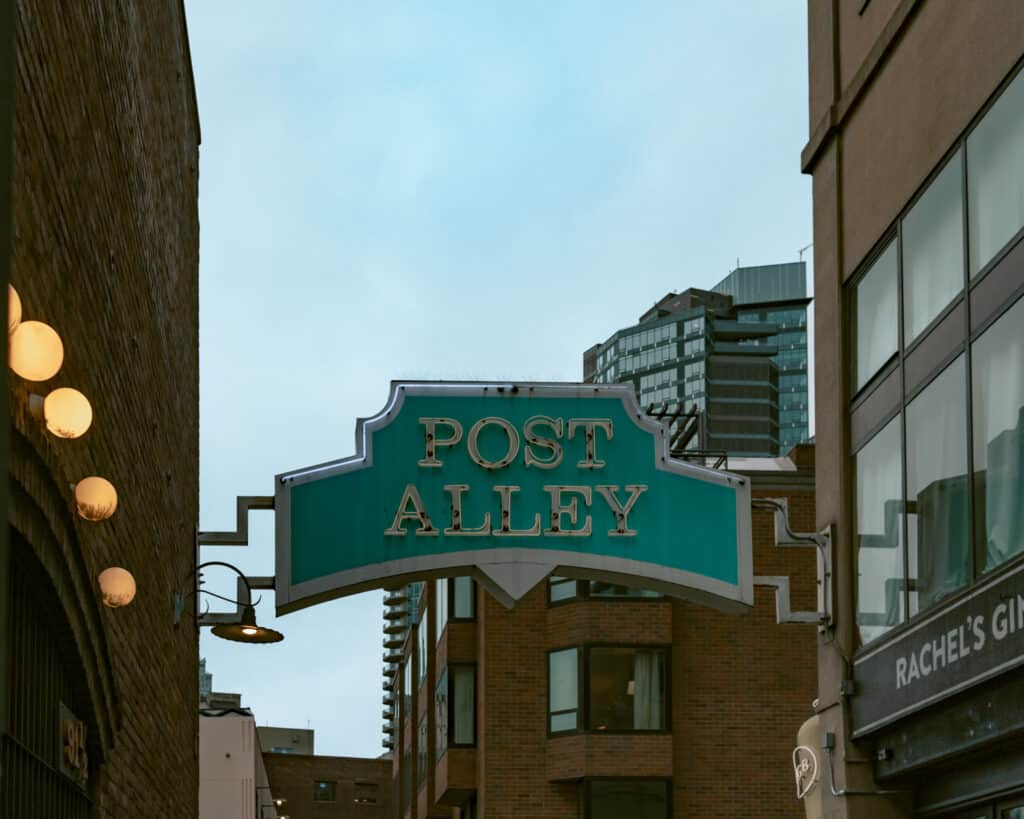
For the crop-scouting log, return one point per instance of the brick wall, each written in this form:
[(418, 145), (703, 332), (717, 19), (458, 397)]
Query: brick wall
[(294, 776), (741, 685), (106, 251)]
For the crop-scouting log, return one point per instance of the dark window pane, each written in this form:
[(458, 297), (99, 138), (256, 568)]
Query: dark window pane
[(998, 374), (599, 588), (938, 533), (421, 754), (441, 713), (440, 607), (635, 798), (877, 316), (995, 176), (879, 542), (627, 689), (324, 791), (933, 250), (463, 603), (463, 700), (559, 588), (563, 688)]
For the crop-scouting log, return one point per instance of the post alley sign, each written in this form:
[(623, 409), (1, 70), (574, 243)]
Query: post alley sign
[(510, 483)]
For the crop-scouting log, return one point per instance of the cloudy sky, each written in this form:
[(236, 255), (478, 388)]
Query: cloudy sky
[(446, 190)]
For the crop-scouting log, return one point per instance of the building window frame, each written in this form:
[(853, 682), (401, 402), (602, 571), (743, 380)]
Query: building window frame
[(331, 792), (583, 698), (915, 366), (583, 592), (445, 717)]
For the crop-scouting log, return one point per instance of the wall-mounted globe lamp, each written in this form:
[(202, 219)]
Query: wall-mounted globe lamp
[(117, 586), (36, 352), (95, 498), (65, 411), (244, 629), (13, 309)]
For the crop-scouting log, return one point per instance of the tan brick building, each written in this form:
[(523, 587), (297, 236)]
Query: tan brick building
[(917, 152), (98, 705), (592, 700)]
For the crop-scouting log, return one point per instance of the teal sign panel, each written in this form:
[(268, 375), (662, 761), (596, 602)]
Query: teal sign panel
[(510, 483)]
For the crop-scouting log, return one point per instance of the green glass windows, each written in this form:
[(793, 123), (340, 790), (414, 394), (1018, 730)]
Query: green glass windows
[(998, 391), (995, 176), (879, 494), (563, 690), (877, 320)]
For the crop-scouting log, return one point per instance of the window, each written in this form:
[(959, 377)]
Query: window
[(421, 754), (998, 390), (407, 688), (456, 707), (877, 323), (879, 493), (995, 176), (635, 798), (694, 327), (694, 347), (691, 372), (598, 588), (325, 791), (440, 607), (563, 690), (421, 665), (561, 588), (933, 250), (626, 689), (938, 539), (462, 598), (564, 588)]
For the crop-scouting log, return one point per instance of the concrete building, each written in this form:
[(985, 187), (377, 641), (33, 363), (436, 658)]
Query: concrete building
[(917, 153), (330, 787), (594, 700), (233, 780), (287, 740), (99, 704), (737, 355)]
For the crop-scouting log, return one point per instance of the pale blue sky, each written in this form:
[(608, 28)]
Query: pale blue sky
[(452, 190)]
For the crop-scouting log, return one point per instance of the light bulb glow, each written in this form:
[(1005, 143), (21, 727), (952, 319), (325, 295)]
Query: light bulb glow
[(67, 413), (13, 309), (117, 587), (95, 498), (249, 630), (36, 351)]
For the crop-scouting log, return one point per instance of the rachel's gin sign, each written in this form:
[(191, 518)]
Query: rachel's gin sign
[(511, 482)]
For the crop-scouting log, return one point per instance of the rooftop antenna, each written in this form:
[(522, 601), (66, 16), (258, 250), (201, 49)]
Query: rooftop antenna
[(800, 252)]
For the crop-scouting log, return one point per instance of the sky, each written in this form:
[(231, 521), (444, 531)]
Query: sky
[(451, 190)]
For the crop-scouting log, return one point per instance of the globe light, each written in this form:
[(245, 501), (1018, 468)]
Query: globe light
[(36, 351), (13, 309), (67, 413), (117, 587), (96, 498)]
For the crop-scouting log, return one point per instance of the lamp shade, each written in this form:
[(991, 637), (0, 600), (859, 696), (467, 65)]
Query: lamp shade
[(13, 309), (117, 587), (96, 498), (67, 413), (36, 351)]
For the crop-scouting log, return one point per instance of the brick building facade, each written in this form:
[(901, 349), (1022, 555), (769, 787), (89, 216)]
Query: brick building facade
[(483, 727), (330, 787), (105, 250)]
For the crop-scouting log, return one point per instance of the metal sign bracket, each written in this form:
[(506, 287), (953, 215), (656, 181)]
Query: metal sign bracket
[(785, 537)]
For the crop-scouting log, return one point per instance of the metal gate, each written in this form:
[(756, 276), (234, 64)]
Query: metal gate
[(44, 674)]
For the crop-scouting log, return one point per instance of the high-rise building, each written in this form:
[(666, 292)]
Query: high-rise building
[(916, 146), (735, 355)]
